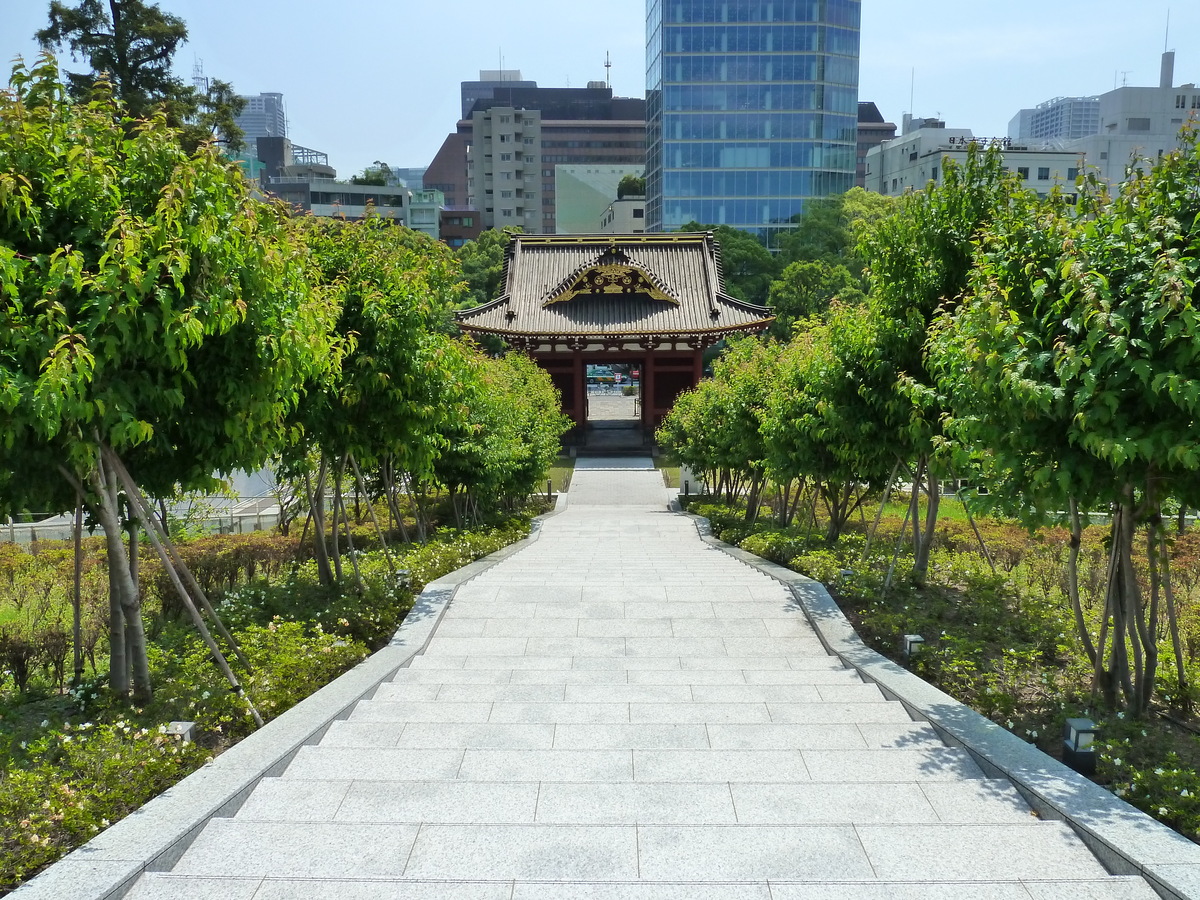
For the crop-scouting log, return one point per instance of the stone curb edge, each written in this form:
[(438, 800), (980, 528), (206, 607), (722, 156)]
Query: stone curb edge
[(155, 836), (1126, 840)]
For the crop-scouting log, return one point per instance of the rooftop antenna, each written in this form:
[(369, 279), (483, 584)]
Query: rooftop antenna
[(1125, 77), (607, 69), (1167, 36), (199, 82), (912, 88)]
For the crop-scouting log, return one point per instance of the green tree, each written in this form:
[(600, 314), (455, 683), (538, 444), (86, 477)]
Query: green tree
[(482, 262), (133, 44), (830, 228), (499, 449), (716, 427), (151, 311), (631, 186), (821, 423), (806, 289), (387, 401), (746, 264), (1072, 370), (919, 262)]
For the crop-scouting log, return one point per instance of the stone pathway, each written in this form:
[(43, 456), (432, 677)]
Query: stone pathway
[(622, 711)]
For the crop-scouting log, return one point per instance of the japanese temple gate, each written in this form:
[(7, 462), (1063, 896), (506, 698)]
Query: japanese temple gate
[(656, 301)]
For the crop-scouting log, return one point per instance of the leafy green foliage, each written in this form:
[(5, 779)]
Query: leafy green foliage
[(136, 281), (631, 186), (132, 44), (482, 262), (63, 786), (830, 228), (746, 264), (807, 289), (500, 449)]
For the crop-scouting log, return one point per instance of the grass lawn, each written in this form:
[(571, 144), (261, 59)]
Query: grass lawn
[(560, 473)]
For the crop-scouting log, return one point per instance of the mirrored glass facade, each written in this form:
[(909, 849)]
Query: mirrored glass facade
[(751, 108)]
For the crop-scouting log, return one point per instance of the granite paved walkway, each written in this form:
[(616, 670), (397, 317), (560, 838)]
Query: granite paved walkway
[(622, 711)]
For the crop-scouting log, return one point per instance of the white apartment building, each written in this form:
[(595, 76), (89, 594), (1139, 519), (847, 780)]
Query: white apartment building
[(503, 167)]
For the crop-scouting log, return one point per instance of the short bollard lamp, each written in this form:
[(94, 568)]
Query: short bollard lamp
[(1079, 751), (911, 645), (184, 732)]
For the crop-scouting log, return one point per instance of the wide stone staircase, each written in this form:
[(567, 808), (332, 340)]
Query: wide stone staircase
[(622, 711)]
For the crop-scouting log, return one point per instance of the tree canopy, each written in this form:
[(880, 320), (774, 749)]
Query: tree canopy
[(132, 44)]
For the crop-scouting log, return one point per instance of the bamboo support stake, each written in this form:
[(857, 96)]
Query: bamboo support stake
[(177, 561), (77, 623), (197, 619), (387, 554)]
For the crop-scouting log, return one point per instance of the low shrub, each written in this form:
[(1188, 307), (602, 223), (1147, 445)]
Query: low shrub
[(59, 790)]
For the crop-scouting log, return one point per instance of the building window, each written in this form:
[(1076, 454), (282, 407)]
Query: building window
[(505, 157), (504, 120), (1043, 173), (1072, 174), (639, 214), (935, 173), (506, 195), (1181, 101), (506, 213), (1195, 101), (1023, 172), (1139, 124), (506, 138)]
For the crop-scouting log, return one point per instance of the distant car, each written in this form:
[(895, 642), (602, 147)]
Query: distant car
[(601, 375)]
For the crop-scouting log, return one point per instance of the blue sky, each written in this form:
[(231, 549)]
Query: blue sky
[(380, 81)]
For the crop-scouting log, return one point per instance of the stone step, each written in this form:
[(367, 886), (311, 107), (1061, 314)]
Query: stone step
[(367, 801), (163, 885), (551, 736), (828, 671), (597, 711), (229, 848)]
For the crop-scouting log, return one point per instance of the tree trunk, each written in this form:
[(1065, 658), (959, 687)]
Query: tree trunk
[(135, 660), (387, 554), (338, 516), (921, 558), (1173, 622), (316, 502), (1081, 628)]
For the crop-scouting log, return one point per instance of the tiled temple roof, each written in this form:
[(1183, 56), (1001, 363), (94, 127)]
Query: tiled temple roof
[(612, 285)]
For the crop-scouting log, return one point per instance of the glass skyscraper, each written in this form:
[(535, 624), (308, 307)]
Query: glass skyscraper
[(751, 109)]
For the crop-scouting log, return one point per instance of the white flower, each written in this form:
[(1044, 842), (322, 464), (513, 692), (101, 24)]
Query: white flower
[(1185, 793), (1162, 811), (45, 722), (1120, 715), (1117, 761)]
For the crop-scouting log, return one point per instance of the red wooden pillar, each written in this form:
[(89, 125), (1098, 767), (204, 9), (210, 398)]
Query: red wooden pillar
[(649, 406), (697, 367), (580, 387)]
